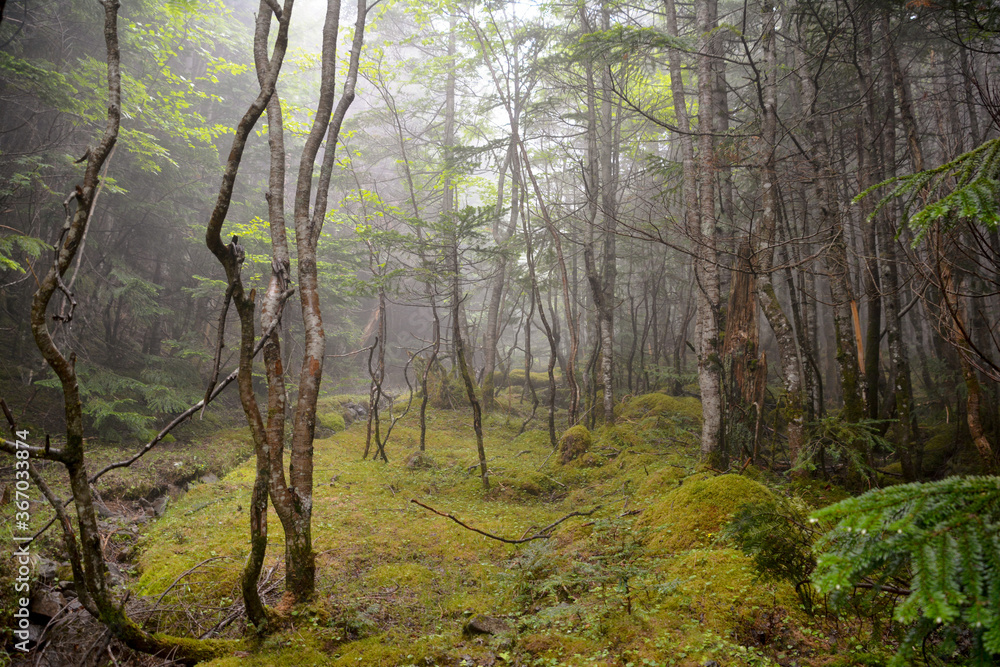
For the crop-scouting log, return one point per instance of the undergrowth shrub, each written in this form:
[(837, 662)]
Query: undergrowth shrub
[(777, 534), (611, 573), (846, 448)]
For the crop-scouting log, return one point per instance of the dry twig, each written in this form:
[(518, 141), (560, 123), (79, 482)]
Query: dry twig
[(542, 534)]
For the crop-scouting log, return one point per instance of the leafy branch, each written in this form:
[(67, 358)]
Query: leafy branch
[(965, 188), (947, 533)]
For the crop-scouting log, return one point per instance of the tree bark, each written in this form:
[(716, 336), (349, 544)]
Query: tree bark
[(707, 267), (791, 364)]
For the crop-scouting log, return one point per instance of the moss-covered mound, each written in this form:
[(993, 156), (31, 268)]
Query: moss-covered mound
[(692, 514), (332, 421), (575, 442), (681, 408), (540, 379)]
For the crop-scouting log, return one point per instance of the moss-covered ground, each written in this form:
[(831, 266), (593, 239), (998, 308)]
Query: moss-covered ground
[(641, 577)]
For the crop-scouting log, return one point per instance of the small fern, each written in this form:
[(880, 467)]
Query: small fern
[(947, 533)]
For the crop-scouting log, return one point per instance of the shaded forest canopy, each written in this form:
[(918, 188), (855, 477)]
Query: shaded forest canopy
[(758, 238)]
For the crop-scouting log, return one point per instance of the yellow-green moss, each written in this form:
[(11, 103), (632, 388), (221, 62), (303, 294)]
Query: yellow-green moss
[(539, 378), (619, 436), (331, 420), (692, 514), (402, 574), (662, 405), (418, 576), (575, 442), (661, 481)]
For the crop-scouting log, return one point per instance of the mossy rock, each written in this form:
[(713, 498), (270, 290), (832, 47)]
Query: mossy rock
[(329, 423), (419, 460), (681, 408), (692, 514), (516, 378), (891, 475), (939, 448), (575, 442)]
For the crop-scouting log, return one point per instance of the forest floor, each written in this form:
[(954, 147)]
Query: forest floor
[(640, 577)]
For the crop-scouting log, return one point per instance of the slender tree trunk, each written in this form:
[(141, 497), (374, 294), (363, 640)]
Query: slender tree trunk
[(791, 365), (450, 216), (500, 236), (837, 270), (902, 389), (869, 173), (707, 271)]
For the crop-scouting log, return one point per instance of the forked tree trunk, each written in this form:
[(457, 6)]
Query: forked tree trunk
[(291, 497)]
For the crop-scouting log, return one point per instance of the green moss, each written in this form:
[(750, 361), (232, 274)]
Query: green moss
[(210, 521), (406, 579), (662, 405), (532, 483), (692, 514), (619, 436), (533, 440), (539, 378), (553, 648), (402, 574), (575, 441), (661, 481), (939, 447), (332, 420)]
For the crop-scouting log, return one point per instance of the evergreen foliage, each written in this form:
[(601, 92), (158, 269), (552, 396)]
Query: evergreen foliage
[(946, 534), (777, 535), (966, 188), (832, 440)]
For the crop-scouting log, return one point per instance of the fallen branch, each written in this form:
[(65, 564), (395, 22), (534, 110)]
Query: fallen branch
[(542, 534)]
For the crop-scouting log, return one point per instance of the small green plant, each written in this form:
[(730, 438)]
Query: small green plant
[(777, 534), (833, 441)]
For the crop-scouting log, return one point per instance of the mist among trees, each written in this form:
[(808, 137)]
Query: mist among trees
[(593, 264)]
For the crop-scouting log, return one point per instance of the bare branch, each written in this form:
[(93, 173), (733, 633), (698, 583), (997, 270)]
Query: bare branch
[(542, 534)]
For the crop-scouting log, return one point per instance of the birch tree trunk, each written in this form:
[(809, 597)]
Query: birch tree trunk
[(707, 267)]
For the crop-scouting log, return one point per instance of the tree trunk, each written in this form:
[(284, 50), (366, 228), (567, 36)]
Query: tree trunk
[(791, 365), (902, 389), (707, 269)]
